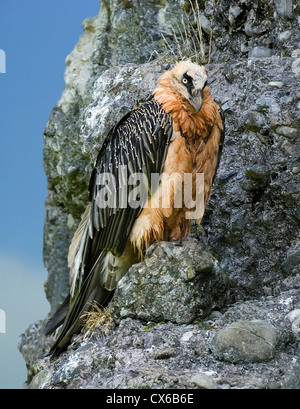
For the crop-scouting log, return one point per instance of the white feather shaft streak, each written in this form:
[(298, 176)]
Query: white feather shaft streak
[(76, 250)]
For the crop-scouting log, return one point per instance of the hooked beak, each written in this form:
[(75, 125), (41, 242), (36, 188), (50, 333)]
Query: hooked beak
[(196, 101)]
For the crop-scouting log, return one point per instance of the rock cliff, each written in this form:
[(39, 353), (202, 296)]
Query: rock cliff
[(239, 272)]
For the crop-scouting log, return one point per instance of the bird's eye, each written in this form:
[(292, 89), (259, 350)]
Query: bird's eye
[(184, 81)]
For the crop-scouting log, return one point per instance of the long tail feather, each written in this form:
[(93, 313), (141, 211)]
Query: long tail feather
[(57, 319), (94, 274), (91, 292)]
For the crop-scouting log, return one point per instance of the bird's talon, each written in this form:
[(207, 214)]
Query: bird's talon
[(167, 250), (164, 246), (150, 249)]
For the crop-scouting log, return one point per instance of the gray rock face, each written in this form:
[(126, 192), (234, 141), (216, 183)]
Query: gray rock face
[(293, 379), (149, 355), (247, 250), (180, 286), (252, 220)]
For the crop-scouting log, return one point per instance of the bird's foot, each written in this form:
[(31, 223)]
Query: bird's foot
[(164, 246)]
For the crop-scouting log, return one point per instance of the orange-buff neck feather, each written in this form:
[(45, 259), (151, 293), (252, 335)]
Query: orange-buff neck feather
[(186, 120)]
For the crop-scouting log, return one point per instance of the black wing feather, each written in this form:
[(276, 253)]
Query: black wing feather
[(139, 141)]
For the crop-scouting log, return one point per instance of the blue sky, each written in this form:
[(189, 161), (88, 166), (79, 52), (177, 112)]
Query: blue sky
[(36, 36)]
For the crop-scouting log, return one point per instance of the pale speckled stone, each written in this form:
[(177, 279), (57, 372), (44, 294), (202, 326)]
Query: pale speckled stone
[(204, 381), (245, 341)]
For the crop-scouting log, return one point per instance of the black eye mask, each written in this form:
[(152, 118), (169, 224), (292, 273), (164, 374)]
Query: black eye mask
[(188, 82)]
